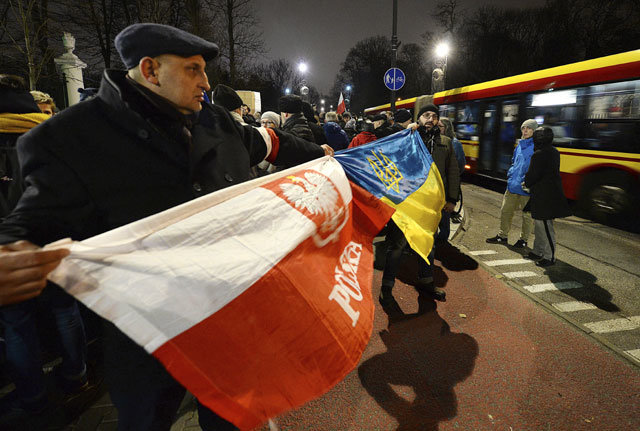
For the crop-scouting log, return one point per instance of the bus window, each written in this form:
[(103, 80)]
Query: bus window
[(468, 112), (618, 136), (488, 141), (561, 111), (448, 111), (509, 132), (619, 101)]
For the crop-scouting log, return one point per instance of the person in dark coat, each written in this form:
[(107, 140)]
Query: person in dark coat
[(401, 120), (19, 113), (293, 120), (337, 138), (547, 200), (316, 129), (147, 143)]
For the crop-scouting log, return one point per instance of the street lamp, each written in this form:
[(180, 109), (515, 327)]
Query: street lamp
[(348, 87), (302, 67), (304, 90), (287, 90), (438, 75)]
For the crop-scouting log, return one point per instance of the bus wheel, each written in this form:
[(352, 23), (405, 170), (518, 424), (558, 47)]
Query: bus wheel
[(608, 195)]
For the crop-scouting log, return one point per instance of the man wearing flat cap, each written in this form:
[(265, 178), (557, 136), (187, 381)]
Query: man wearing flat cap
[(144, 144)]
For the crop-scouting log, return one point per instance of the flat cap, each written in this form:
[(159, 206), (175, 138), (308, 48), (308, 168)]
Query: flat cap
[(150, 40), (227, 97)]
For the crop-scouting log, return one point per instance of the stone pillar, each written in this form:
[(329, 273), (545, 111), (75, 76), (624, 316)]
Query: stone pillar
[(71, 68)]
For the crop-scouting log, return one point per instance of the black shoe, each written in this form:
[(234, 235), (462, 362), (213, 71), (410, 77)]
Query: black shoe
[(520, 243), (545, 262), (430, 289), (385, 295), (533, 256), (71, 386), (497, 240)]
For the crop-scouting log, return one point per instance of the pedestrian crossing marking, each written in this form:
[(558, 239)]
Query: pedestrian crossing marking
[(562, 285), (635, 354), (614, 325), (569, 306), (519, 274), (482, 252), (507, 262)]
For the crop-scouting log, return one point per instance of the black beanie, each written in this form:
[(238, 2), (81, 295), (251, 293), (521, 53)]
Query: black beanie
[(431, 107), (291, 104), (226, 97), (402, 115)]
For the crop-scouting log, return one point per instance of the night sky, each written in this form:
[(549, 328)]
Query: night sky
[(322, 31)]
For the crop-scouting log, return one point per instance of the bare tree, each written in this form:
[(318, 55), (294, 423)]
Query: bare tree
[(26, 27), (448, 15), (240, 39)]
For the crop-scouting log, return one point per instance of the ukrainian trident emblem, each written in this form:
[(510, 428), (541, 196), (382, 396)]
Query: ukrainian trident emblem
[(386, 170)]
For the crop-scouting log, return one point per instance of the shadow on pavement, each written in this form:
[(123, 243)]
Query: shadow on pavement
[(414, 380), (590, 291)]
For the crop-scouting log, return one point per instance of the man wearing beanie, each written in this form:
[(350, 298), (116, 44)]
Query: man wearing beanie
[(144, 144), (445, 160), (401, 120), (292, 119), (515, 198), (228, 98)]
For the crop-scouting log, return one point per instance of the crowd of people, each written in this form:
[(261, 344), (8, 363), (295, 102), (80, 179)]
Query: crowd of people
[(146, 141)]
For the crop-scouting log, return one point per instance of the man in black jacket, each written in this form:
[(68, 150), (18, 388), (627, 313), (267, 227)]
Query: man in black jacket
[(292, 118), (144, 144)]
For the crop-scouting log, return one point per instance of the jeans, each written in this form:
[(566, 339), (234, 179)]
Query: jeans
[(23, 346), (444, 228)]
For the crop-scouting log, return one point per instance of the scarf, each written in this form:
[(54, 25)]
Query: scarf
[(20, 123)]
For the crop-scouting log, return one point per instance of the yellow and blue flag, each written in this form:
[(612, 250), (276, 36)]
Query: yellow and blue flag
[(399, 170)]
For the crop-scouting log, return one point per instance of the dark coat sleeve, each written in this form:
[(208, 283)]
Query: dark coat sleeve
[(55, 203), (294, 150)]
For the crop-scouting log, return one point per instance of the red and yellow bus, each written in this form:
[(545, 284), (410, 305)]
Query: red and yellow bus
[(593, 108)]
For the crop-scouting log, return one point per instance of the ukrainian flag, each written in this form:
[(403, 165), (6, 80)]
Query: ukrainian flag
[(399, 170)]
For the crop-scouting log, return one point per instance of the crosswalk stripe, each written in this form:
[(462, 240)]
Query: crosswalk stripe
[(614, 325), (507, 262), (569, 306), (562, 285), (635, 354), (482, 252), (519, 274)]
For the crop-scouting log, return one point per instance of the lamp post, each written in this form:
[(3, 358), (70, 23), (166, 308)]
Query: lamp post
[(347, 99), (322, 103), (439, 73), (304, 90)]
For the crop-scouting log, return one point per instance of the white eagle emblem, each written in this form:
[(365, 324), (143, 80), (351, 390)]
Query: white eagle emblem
[(316, 194)]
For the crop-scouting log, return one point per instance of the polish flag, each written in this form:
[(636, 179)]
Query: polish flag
[(256, 298), (341, 106)]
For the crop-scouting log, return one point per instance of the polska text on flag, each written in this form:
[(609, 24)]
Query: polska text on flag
[(256, 298)]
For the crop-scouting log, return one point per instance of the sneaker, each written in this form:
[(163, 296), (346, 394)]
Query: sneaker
[(533, 256), (520, 243), (497, 240), (545, 262)]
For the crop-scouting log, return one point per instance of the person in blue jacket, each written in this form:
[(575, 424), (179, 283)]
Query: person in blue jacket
[(515, 198)]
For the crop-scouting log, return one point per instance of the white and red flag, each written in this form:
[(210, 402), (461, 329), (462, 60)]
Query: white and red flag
[(341, 106), (256, 298)]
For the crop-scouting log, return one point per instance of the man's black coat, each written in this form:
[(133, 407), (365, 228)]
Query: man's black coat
[(100, 164)]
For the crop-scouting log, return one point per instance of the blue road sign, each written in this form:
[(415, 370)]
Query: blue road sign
[(394, 78)]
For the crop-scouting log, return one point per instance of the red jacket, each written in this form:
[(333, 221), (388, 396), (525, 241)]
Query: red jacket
[(361, 139)]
